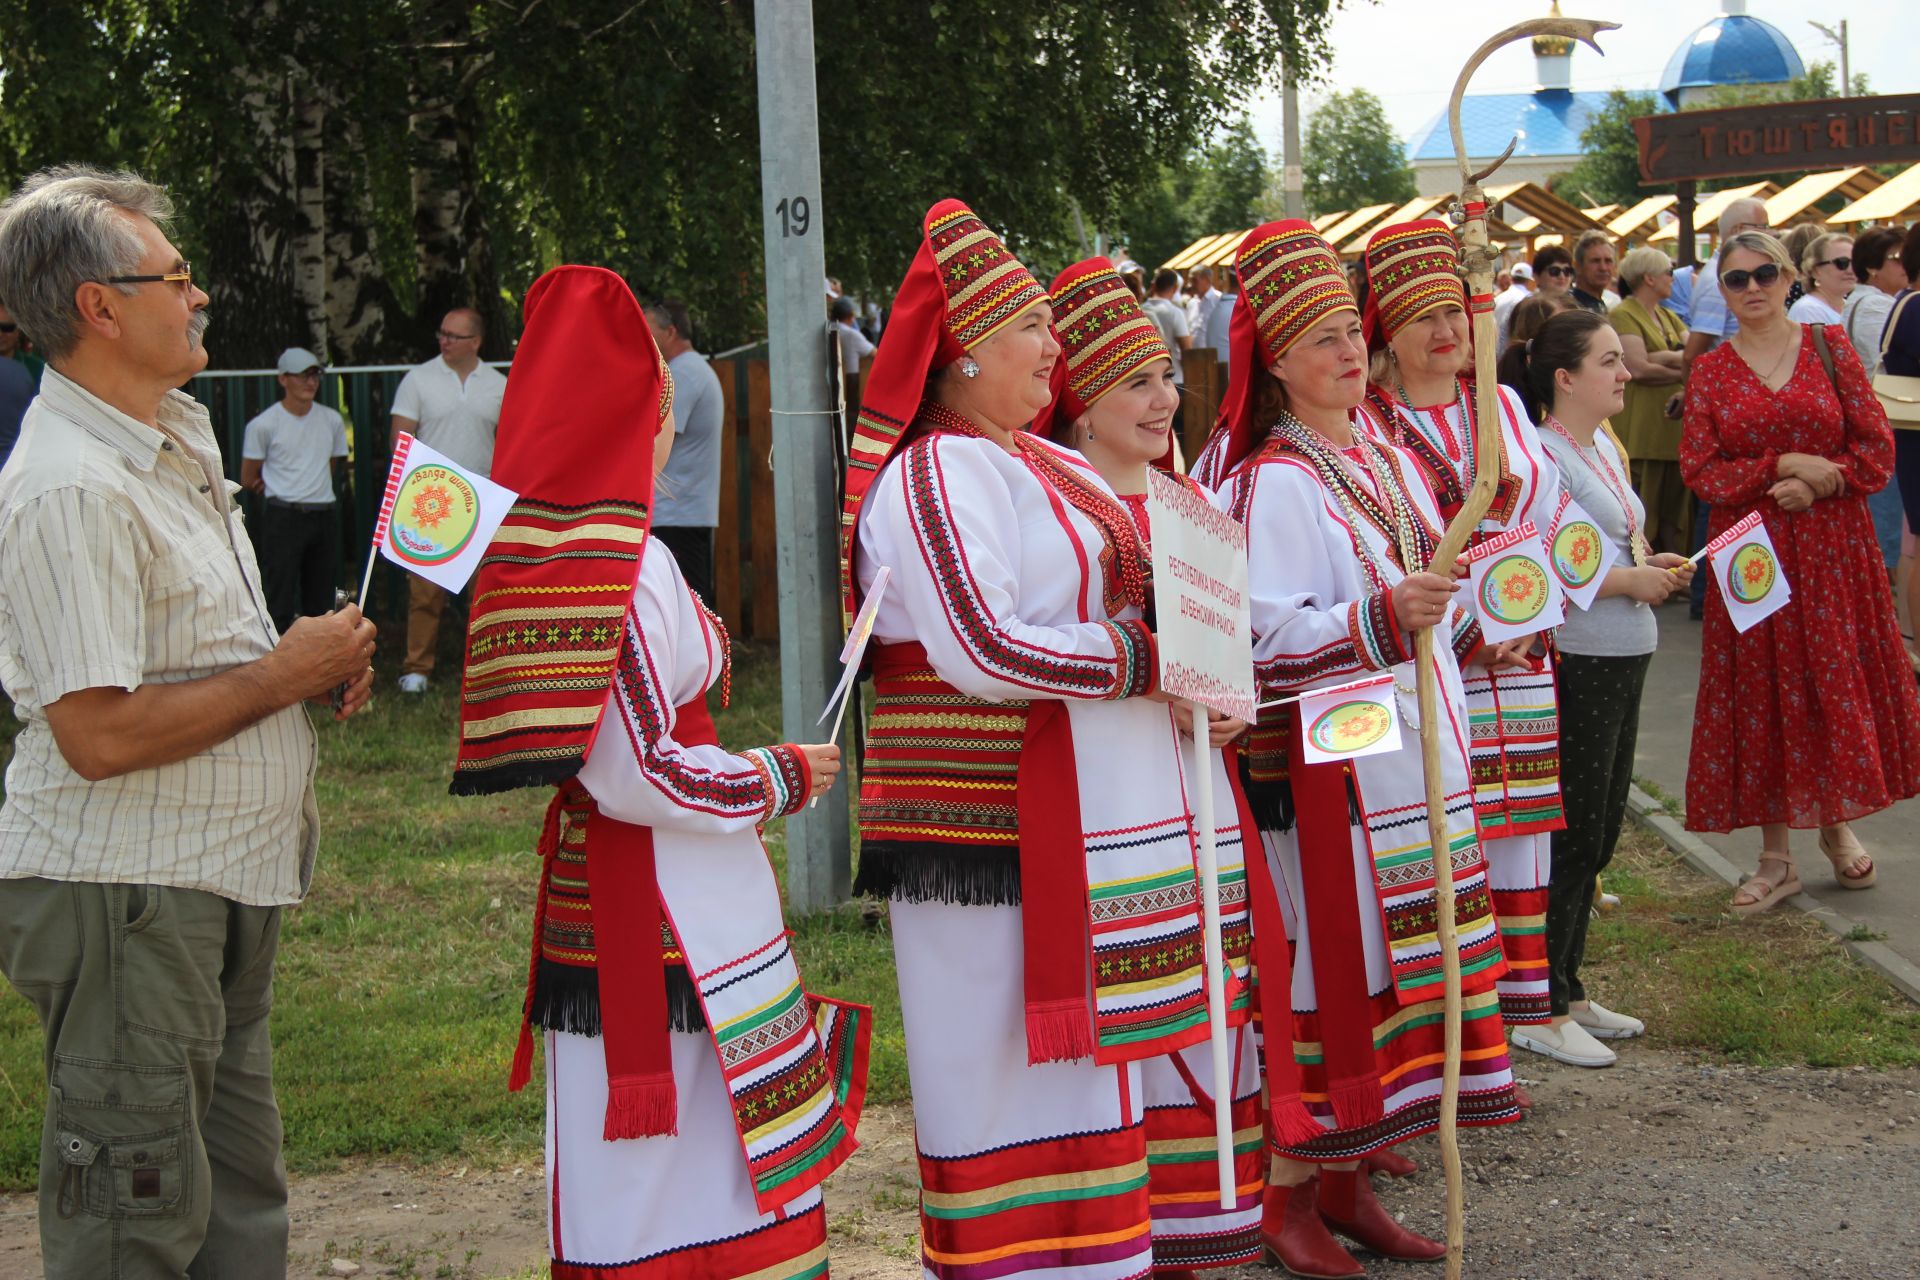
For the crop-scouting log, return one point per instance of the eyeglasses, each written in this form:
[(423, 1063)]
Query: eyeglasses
[(1845, 264), (456, 337), (183, 276), (8, 328), (1556, 271), (1765, 276)]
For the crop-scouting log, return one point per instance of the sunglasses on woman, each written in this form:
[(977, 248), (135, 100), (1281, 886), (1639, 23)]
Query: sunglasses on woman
[(1556, 271), (1764, 276), (1845, 264)]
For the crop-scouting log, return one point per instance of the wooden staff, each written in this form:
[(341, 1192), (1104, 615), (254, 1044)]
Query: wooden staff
[(1479, 261)]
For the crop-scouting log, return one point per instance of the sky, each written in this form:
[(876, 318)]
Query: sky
[(1408, 52)]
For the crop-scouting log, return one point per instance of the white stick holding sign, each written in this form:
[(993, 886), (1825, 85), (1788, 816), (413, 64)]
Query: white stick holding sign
[(852, 653), (1205, 637), (1748, 571), (1512, 591), (1578, 554), (436, 518)]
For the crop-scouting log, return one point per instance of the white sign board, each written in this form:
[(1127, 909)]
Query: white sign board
[(1200, 599)]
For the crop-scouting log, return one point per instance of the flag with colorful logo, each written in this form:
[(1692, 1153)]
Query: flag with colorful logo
[(1350, 720), (1578, 553), (1509, 586), (1748, 572), (437, 519)]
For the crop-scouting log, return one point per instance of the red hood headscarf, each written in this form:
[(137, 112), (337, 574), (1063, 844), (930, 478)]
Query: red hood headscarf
[(1412, 267), (1104, 337), (1290, 280), (585, 399), (963, 287)]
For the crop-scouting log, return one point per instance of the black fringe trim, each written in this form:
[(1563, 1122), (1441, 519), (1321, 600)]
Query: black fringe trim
[(928, 872), (486, 782), (1272, 802), (566, 997)]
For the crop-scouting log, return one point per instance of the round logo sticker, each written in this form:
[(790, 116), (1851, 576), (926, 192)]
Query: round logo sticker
[(1751, 573), (1514, 590), (1350, 726), (434, 515), (1576, 554)]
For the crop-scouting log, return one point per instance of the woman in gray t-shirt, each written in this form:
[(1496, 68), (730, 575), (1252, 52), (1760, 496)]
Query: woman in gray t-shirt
[(1575, 377)]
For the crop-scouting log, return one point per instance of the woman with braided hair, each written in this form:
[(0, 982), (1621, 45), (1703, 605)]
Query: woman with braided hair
[(1340, 529)]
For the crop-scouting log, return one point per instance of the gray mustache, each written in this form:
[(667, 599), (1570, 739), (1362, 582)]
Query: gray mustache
[(197, 327)]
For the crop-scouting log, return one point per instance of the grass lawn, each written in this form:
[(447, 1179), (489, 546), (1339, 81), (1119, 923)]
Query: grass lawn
[(401, 976)]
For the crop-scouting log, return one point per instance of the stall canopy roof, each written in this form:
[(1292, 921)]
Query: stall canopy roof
[(1641, 217), (1886, 203), (1707, 212), (1197, 253), (1415, 209), (1535, 201), (1802, 195)]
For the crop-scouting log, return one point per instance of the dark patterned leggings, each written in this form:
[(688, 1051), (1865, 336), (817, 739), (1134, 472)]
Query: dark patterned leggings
[(1599, 723)]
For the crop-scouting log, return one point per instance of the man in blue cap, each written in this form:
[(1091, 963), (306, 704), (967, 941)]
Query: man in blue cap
[(290, 457)]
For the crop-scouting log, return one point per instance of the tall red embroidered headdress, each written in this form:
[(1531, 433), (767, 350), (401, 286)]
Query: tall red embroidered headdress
[(1104, 336), (1412, 267), (587, 394), (1290, 280), (962, 287)]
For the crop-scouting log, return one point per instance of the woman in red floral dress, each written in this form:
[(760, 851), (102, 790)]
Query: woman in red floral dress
[(1809, 718)]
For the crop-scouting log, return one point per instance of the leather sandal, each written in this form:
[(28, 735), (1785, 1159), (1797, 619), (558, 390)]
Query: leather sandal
[(1296, 1236), (1763, 893), (1843, 850), (1349, 1206)]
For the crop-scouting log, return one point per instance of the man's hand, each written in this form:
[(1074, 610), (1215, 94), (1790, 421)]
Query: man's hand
[(354, 696), (318, 653)]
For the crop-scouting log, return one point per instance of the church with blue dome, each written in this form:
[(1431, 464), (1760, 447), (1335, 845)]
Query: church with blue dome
[(1732, 48)]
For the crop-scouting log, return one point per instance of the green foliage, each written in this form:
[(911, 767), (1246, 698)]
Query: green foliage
[(1608, 171), (1820, 80), (1352, 156), (465, 146), (1220, 187)]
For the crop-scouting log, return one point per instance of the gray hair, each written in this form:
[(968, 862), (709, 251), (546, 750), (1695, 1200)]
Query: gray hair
[(1587, 240), (1740, 211), (1760, 242), (1641, 263), (61, 229)]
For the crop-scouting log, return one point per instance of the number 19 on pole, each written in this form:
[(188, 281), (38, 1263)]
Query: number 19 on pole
[(796, 215)]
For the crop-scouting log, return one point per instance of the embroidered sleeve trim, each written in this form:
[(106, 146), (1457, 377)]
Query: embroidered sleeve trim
[(1139, 658), (1291, 672), (691, 785), (1466, 634), (986, 642), (1377, 631), (787, 775)]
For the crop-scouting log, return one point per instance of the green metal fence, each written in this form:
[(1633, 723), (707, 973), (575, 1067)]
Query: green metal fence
[(363, 394)]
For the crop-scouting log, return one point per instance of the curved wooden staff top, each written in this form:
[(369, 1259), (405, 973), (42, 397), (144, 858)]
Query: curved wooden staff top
[(1478, 260)]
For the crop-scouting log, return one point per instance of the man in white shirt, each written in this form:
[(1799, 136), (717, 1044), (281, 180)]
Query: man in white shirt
[(1508, 299), (160, 812), (450, 403), (1203, 334), (686, 498), (291, 455), (1170, 318), (854, 346)]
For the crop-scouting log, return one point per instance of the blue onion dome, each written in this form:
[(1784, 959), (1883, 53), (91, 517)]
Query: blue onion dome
[(1731, 49)]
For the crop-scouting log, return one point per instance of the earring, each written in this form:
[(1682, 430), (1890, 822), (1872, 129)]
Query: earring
[(969, 367)]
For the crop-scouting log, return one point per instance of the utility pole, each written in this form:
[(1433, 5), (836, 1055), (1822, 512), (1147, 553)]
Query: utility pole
[(1840, 38), (806, 506), (1293, 175)]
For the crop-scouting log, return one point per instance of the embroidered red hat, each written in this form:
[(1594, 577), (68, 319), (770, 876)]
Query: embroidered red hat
[(1104, 337), (1290, 280), (1412, 267), (962, 288), (587, 395)]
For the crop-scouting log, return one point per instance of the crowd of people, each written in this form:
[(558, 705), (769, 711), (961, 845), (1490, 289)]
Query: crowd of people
[(1025, 802)]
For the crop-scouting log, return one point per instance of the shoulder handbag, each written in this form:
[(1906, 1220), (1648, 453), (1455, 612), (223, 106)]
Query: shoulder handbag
[(1899, 394)]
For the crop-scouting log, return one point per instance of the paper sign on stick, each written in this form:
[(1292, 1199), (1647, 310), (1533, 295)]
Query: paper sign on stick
[(1359, 719), (1579, 554), (1204, 631), (1748, 571), (1509, 586), (855, 648), (436, 518)]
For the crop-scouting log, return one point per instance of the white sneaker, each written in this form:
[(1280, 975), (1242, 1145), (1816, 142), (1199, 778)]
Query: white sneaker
[(413, 682), (1568, 1043), (1603, 1023)]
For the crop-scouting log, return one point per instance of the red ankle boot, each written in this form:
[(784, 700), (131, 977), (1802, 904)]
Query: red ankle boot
[(1297, 1238), (1347, 1203), (1391, 1163)]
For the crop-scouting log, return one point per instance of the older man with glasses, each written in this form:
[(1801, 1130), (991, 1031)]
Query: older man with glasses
[(450, 403), (160, 811)]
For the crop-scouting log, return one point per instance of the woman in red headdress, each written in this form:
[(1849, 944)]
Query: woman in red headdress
[(1416, 323), (1024, 804), (1117, 407), (1340, 527), (696, 1094)]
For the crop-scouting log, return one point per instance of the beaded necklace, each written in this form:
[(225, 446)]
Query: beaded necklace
[(1443, 428), (1636, 542), (726, 651)]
